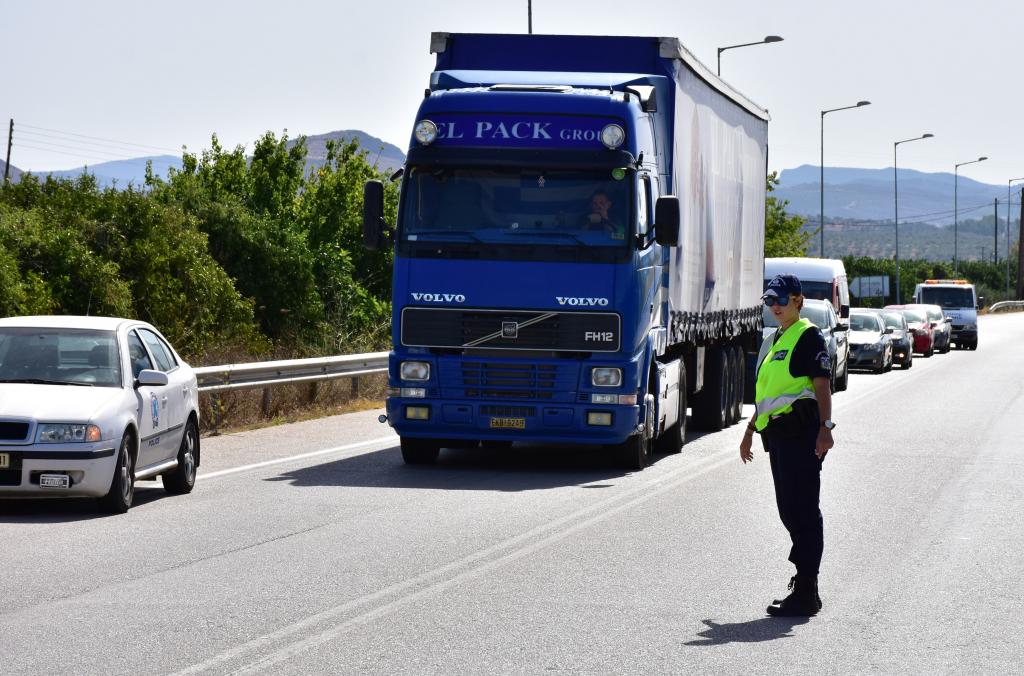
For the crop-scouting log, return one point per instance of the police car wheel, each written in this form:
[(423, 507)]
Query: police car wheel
[(182, 479), (122, 484)]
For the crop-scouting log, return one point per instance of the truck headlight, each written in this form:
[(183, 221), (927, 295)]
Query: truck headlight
[(414, 370), (606, 377), (970, 327), (62, 433), (425, 132), (612, 136)]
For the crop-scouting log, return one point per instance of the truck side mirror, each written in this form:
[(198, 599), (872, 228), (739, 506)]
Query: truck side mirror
[(844, 311), (374, 228), (981, 302), (666, 220)]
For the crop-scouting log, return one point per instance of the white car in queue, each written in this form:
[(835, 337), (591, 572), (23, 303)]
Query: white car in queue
[(89, 405)]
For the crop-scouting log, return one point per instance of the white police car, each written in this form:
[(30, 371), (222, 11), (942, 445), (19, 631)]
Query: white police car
[(89, 405)]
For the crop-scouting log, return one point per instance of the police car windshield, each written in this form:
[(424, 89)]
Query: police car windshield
[(59, 357), (495, 206)]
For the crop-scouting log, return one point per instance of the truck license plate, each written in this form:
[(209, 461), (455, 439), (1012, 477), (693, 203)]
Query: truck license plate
[(5, 460), (508, 423), (54, 481)]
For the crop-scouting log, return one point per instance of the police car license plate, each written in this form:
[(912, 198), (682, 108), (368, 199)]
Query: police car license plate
[(54, 481), (5, 460), (508, 423)]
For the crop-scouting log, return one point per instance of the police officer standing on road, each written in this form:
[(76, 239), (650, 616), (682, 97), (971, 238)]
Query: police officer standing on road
[(793, 416)]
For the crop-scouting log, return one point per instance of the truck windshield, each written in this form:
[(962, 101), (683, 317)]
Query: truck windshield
[(500, 211), (945, 296)]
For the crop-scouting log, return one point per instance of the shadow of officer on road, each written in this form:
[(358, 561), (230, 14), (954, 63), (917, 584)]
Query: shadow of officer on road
[(753, 631)]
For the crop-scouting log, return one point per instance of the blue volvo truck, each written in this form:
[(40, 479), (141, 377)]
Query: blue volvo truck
[(579, 247)]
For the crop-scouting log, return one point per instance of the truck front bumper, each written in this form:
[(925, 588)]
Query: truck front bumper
[(512, 421)]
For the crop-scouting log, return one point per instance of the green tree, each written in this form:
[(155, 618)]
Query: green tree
[(784, 235)]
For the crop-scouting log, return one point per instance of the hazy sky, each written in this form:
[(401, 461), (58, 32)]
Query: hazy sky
[(167, 74)]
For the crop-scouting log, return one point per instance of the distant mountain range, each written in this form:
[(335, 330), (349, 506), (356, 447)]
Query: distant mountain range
[(867, 195), (385, 156)]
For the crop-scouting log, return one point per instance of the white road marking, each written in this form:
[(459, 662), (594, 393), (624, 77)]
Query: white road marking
[(389, 440)]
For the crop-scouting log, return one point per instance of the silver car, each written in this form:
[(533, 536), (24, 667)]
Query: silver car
[(89, 405)]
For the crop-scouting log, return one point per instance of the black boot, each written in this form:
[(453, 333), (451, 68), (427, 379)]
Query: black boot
[(803, 599)]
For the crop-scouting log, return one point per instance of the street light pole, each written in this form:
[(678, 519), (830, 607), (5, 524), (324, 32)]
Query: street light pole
[(1008, 214), (767, 40), (956, 213), (821, 178), (896, 204)]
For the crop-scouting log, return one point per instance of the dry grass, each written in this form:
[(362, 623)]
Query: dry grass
[(263, 407)]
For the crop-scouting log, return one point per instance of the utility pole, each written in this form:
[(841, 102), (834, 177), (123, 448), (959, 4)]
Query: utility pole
[(1020, 250), (7, 164), (995, 232), (529, 16)]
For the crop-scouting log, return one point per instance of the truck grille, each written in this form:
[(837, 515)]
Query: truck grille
[(523, 381), (511, 329)]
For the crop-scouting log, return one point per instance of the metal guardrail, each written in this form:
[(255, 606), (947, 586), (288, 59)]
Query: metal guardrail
[(1006, 305), (214, 379)]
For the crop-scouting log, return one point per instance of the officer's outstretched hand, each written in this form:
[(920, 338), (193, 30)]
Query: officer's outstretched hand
[(824, 442), (746, 453)]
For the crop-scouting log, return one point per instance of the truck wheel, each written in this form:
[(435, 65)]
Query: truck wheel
[(709, 404), (672, 440), (633, 453), (420, 451), (730, 387), (741, 379)]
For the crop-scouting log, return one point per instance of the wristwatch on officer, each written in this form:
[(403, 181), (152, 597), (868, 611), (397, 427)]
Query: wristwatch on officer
[(829, 425)]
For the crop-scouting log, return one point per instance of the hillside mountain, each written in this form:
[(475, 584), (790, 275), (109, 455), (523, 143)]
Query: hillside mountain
[(387, 157), (867, 194), (14, 175)]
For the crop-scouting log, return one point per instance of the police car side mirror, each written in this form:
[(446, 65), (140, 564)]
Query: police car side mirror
[(666, 220), (888, 329), (374, 227), (151, 378)]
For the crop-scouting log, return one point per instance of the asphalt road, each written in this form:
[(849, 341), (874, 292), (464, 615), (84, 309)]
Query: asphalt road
[(311, 548)]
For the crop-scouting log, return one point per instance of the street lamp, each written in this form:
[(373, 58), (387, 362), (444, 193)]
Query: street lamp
[(956, 213), (768, 39), (1008, 184), (896, 200), (821, 180)]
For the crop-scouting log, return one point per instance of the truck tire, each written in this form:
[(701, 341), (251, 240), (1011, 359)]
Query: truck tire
[(730, 386), (420, 451), (741, 379), (633, 453), (672, 440), (709, 404)]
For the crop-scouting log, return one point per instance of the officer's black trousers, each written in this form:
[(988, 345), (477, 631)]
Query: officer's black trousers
[(797, 474)]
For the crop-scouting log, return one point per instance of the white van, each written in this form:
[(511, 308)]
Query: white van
[(821, 278), (959, 302)]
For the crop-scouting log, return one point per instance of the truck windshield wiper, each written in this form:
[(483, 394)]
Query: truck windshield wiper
[(534, 233), (41, 381), (442, 235)]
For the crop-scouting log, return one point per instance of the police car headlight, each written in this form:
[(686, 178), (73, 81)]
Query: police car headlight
[(425, 132), (62, 433), (612, 136), (606, 377), (414, 370)]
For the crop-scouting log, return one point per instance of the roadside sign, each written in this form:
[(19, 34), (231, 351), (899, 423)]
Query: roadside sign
[(870, 287)]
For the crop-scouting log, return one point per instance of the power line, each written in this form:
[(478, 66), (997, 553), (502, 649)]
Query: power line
[(98, 138), (87, 157), (39, 137)]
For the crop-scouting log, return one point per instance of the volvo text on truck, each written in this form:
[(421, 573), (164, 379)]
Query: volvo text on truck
[(579, 248)]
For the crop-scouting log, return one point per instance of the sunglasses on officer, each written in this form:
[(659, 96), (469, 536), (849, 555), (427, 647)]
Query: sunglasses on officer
[(782, 301)]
